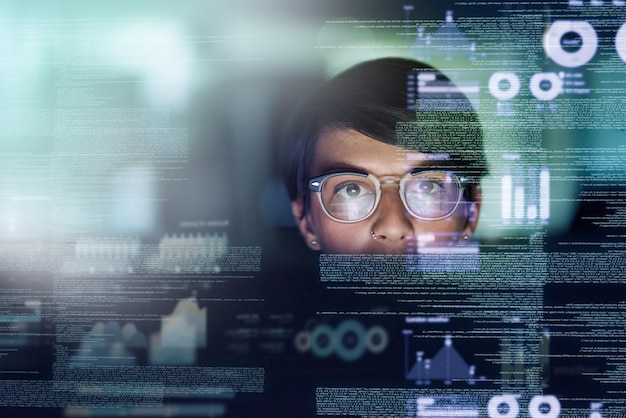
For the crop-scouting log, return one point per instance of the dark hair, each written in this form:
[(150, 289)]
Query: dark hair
[(382, 99)]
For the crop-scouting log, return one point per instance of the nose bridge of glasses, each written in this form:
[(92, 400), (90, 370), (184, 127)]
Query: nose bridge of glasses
[(389, 180), (392, 216), (391, 193)]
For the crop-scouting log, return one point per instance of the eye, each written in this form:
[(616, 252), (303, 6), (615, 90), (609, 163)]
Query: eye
[(427, 187), (348, 197), (351, 190)]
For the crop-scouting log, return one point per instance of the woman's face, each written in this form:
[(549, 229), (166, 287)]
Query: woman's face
[(390, 229)]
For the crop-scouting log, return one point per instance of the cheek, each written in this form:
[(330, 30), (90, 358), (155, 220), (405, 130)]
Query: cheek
[(337, 237), (445, 230)]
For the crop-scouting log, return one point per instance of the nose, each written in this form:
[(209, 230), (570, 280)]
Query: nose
[(391, 222)]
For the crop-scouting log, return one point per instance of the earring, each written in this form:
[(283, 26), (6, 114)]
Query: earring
[(313, 242), (466, 237)]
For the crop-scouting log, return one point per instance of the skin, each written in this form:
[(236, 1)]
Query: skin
[(395, 228)]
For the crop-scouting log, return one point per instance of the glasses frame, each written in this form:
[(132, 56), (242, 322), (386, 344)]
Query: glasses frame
[(317, 183)]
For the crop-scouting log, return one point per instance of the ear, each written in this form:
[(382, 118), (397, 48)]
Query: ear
[(305, 225), (473, 210)]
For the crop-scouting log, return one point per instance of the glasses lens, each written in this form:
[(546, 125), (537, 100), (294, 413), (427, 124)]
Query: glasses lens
[(432, 194), (348, 197)]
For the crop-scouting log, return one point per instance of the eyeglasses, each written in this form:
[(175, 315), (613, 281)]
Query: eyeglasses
[(352, 196)]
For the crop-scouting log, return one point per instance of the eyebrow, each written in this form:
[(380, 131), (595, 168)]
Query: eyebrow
[(336, 166)]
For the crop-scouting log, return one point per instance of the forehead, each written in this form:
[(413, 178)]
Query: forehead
[(349, 150)]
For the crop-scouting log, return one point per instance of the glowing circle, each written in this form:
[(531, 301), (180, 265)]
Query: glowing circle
[(495, 402), (620, 42), (350, 340), (545, 94), (551, 401), (322, 341), (496, 89), (302, 341), (376, 339), (552, 42)]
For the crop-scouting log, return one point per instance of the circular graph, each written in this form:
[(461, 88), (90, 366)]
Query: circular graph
[(503, 406), (535, 410), (570, 43), (350, 339), (322, 341), (545, 86), (302, 341), (504, 85), (620, 42), (376, 339)]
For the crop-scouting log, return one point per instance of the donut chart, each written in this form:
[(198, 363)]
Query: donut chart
[(537, 86), (554, 48), (496, 85), (620, 42)]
